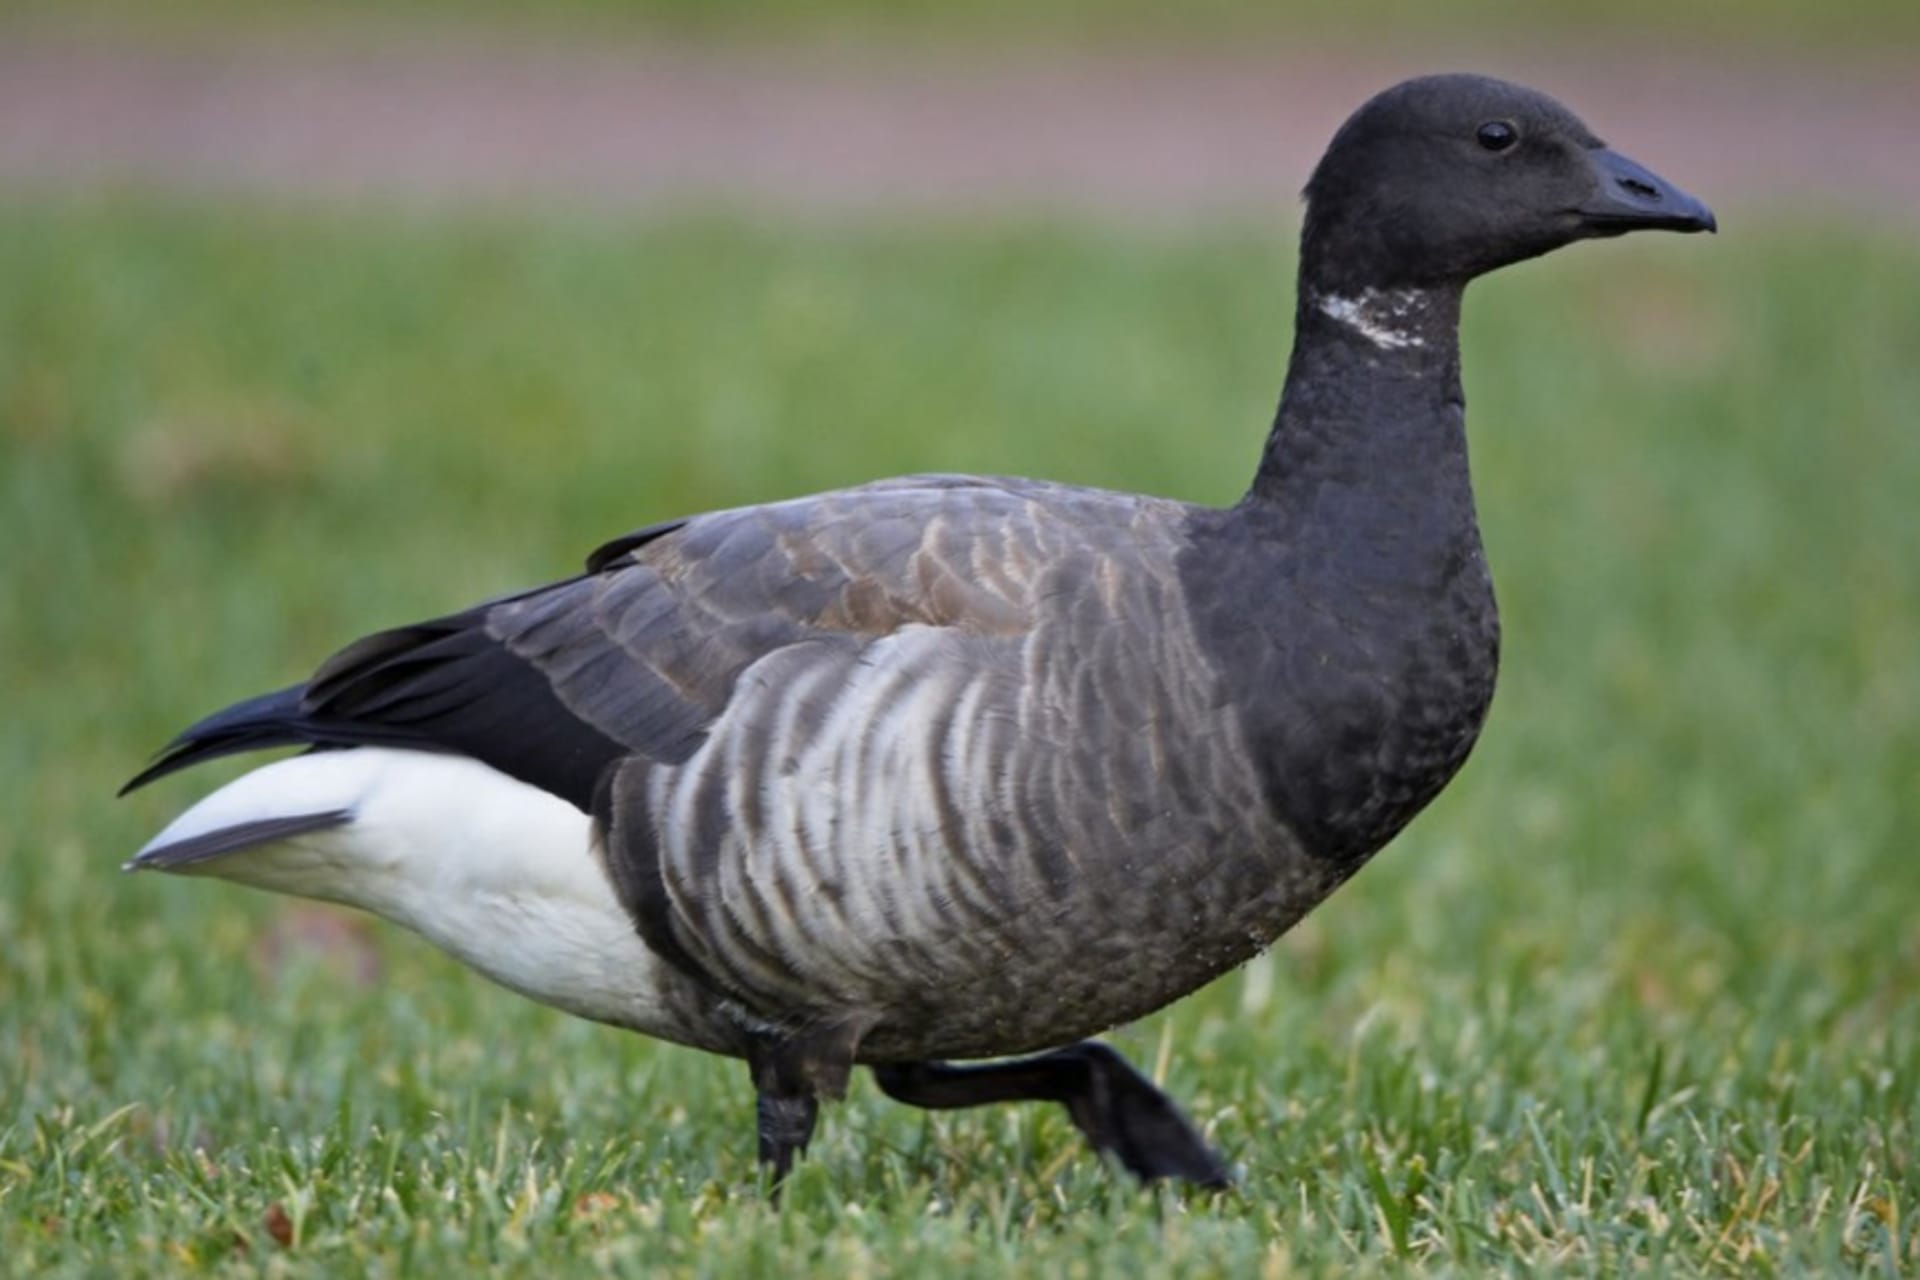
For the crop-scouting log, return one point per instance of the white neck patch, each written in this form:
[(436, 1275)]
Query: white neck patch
[(1378, 316)]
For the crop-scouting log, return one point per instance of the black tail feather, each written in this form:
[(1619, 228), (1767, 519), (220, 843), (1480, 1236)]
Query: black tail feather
[(242, 835), (445, 685), (270, 720)]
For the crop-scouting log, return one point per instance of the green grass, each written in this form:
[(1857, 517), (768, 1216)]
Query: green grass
[(1640, 991)]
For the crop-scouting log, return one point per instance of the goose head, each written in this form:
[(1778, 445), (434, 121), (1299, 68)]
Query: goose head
[(1446, 177)]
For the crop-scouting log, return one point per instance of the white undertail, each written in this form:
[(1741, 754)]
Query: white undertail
[(497, 873)]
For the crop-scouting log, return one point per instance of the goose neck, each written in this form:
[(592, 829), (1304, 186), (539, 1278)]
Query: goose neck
[(1373, 397)]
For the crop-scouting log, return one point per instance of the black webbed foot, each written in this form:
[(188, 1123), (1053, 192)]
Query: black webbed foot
[(1119, 1110), (1122, 1112)]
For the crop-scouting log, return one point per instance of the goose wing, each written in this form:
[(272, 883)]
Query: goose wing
[(642, 654), (843, 750), (965, 760)]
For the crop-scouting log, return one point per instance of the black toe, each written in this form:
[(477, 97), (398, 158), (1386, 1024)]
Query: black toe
[(1123, 1113)]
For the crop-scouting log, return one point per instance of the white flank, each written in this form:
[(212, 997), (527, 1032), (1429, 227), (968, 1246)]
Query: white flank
[(497, 873), (1377, 317)]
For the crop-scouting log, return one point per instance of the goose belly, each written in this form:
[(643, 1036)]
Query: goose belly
[(978, 864)]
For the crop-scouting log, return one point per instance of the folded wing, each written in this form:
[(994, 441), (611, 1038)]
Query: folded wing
[(841, 749)]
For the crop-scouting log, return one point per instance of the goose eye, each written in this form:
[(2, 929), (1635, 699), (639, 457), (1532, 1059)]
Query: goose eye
[(1497, 135)]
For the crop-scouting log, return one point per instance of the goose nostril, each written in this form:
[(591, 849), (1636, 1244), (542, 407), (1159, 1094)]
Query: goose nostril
[(1645, 190)]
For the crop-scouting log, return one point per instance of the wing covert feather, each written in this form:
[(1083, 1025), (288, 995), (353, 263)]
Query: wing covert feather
[(640, 658)]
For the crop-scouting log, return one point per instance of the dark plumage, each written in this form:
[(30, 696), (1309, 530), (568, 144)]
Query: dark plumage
[(952, 767)]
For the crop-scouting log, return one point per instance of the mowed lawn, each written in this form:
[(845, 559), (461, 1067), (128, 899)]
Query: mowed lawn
[(1641, 990)]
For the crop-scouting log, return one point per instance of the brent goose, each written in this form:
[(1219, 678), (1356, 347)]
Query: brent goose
[(952, 767)]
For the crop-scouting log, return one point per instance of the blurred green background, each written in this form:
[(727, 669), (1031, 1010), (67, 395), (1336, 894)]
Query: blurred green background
[(1010, 21), (1641, 991)]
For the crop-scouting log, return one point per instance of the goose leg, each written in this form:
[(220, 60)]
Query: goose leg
[(786, 1127), (791, 1073), (1119, 1110)]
